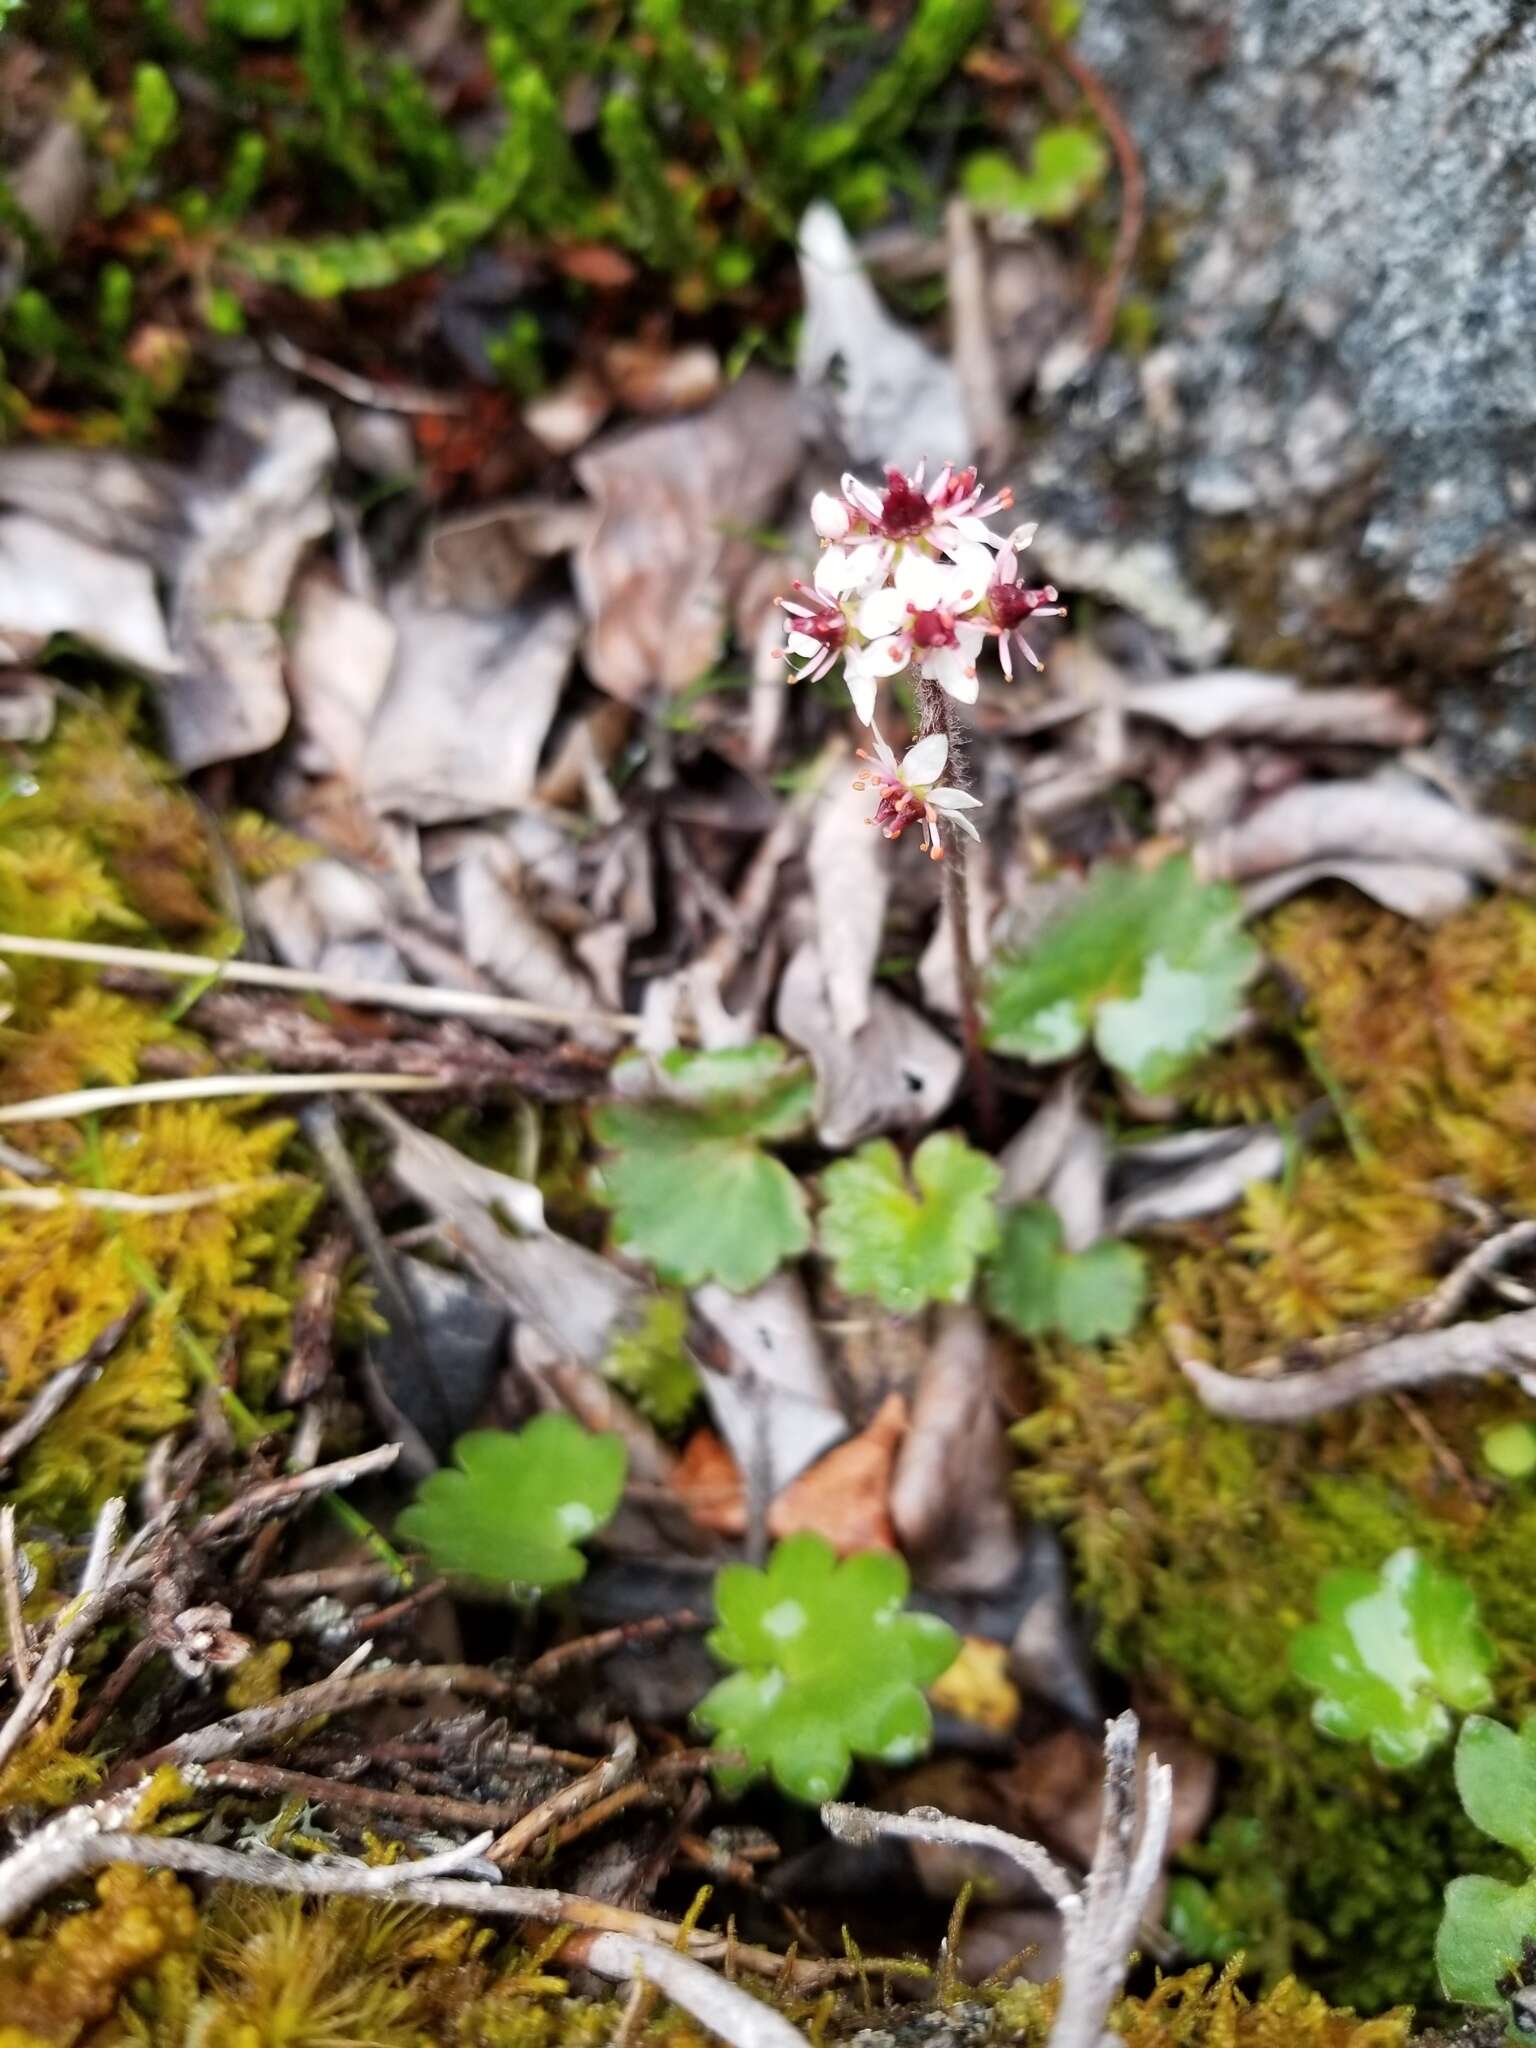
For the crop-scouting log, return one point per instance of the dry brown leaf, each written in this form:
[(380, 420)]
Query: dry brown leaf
[(895, 1073), (949, 1497), (484, 560), (1058, 1788), (505, 938), (846, 1496), (649, 377), (53, 581), (338, 666), (1412, 888), (850, 868), (977, 1688), (707, 1480), (1387, 819), (655, 577), (1196, 1182), (1239, 703), (470, 701), (776, 1406), (566, 417)]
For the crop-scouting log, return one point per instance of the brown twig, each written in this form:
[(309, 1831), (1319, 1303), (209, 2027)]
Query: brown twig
[(292, 1489), (638, 1792), (625, 1635), (613, 1771), (386, 1617), (314, 1319), (427, 1809), (327, 1580), (1133, 178), (66, 1382)]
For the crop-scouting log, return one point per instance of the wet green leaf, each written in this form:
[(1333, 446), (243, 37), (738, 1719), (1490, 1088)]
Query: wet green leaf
[(909, 1240), (513, 1508), (831, 1667), (693, 1192), (1035, 1286), (1482, 1936), (1152, 965), (1496, 1780), (1390, 1653)]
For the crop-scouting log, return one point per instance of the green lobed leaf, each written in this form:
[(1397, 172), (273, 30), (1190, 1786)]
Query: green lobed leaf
[(516, 1504), (912, 1241), (1067, 165), (692, 1190), (832, 1667), (1482, 1936), (1154, 965), (1496, 1780), (1389, 1653), (1035, 1286)]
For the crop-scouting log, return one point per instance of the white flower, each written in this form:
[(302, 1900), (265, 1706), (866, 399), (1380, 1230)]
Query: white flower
[(905, 791), (830, 516), (920, 615), (818, 617)]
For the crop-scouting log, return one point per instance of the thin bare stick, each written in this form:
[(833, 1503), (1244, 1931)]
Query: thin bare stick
[(58, 1391), (10, 1585), (862, 1825), (624, 1635), (342, 988), (87, 1837), (426, 1809), (733, 2014), (1464, 1351), (119, 1204), (205, 1088), (402, 398), (612, 1772), (293, 1487), (328, 1579)]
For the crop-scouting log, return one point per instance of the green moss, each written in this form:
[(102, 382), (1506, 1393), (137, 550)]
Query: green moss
[(1199, 1542)]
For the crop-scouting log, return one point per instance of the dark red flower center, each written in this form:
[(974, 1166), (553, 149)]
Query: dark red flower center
[(906, 509), (933, 629), (1013, 603)]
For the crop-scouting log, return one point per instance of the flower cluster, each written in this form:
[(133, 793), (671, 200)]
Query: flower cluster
[(912, 577)]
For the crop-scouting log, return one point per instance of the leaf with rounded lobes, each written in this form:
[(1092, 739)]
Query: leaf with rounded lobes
[(513, 1509), (1482, 1937), (832, 1667), (1152, 964), (910, 1242), (693, 1192), (1496, 1780), (1035, 1286), (1390, 1651)]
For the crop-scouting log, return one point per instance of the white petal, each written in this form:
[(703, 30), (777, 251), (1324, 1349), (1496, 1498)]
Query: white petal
[(968, 580), (952, 671), (890, 656), (829, 516), (882, 612), (802, 644), (882, 751), (948, 799), (971, 526), (926, 761), (970, 638), (863, 689), (920, 580), (1023, 536), (965, 825), (850, 569), (869, 502)]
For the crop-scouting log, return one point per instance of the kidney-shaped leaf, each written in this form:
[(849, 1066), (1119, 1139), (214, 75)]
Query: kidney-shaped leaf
[(1482, 1937), (910, 1241), (1496, 1779)]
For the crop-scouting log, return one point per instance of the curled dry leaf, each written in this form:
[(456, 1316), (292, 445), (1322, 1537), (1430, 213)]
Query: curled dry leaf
[(654, 577), (894, 1073), (53, 581), (228, 697), (707, 1480), (1200, 1183), (1390, 819), (469, 704), (312, 913), (845, 1496), (505, 938), (123, 502), (886, 394), (1415, 889), (850, 869), (776, 1406), (949, 1495), (339, 661), (1238, 703), (484, 560), (1030, 1159)]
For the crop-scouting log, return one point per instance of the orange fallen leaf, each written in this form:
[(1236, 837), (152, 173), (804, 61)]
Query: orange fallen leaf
[(707, 1482), (846, 1495)]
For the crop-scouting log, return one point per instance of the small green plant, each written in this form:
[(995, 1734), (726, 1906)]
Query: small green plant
[(830, 1667), (1035, 1286), (1390, 1654), (910, 1239), (513, 1509), (693, 1192), (1151, 966), (1510, 1450), (1067, 165), (1483, 1950), (649, 1361)]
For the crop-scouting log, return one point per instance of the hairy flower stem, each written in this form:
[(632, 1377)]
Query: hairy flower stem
[(936, 714)]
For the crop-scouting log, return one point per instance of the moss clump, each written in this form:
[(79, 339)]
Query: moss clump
[(1199, 1542), (93, 843), (1197, 2011)]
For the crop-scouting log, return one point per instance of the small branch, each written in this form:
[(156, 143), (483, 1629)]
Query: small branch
[(342, 988), (575, 1798), (114, 1203), (205, 1088), (292, 1488), (426, 1809), (66, 1382), (625, 1635), (1464, 1351), (1101, 1918), (736, 2016), (10, 1586), (401, 398)]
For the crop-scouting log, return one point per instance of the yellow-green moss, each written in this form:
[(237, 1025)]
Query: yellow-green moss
[(1199, 1543), (1193, 2011)]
